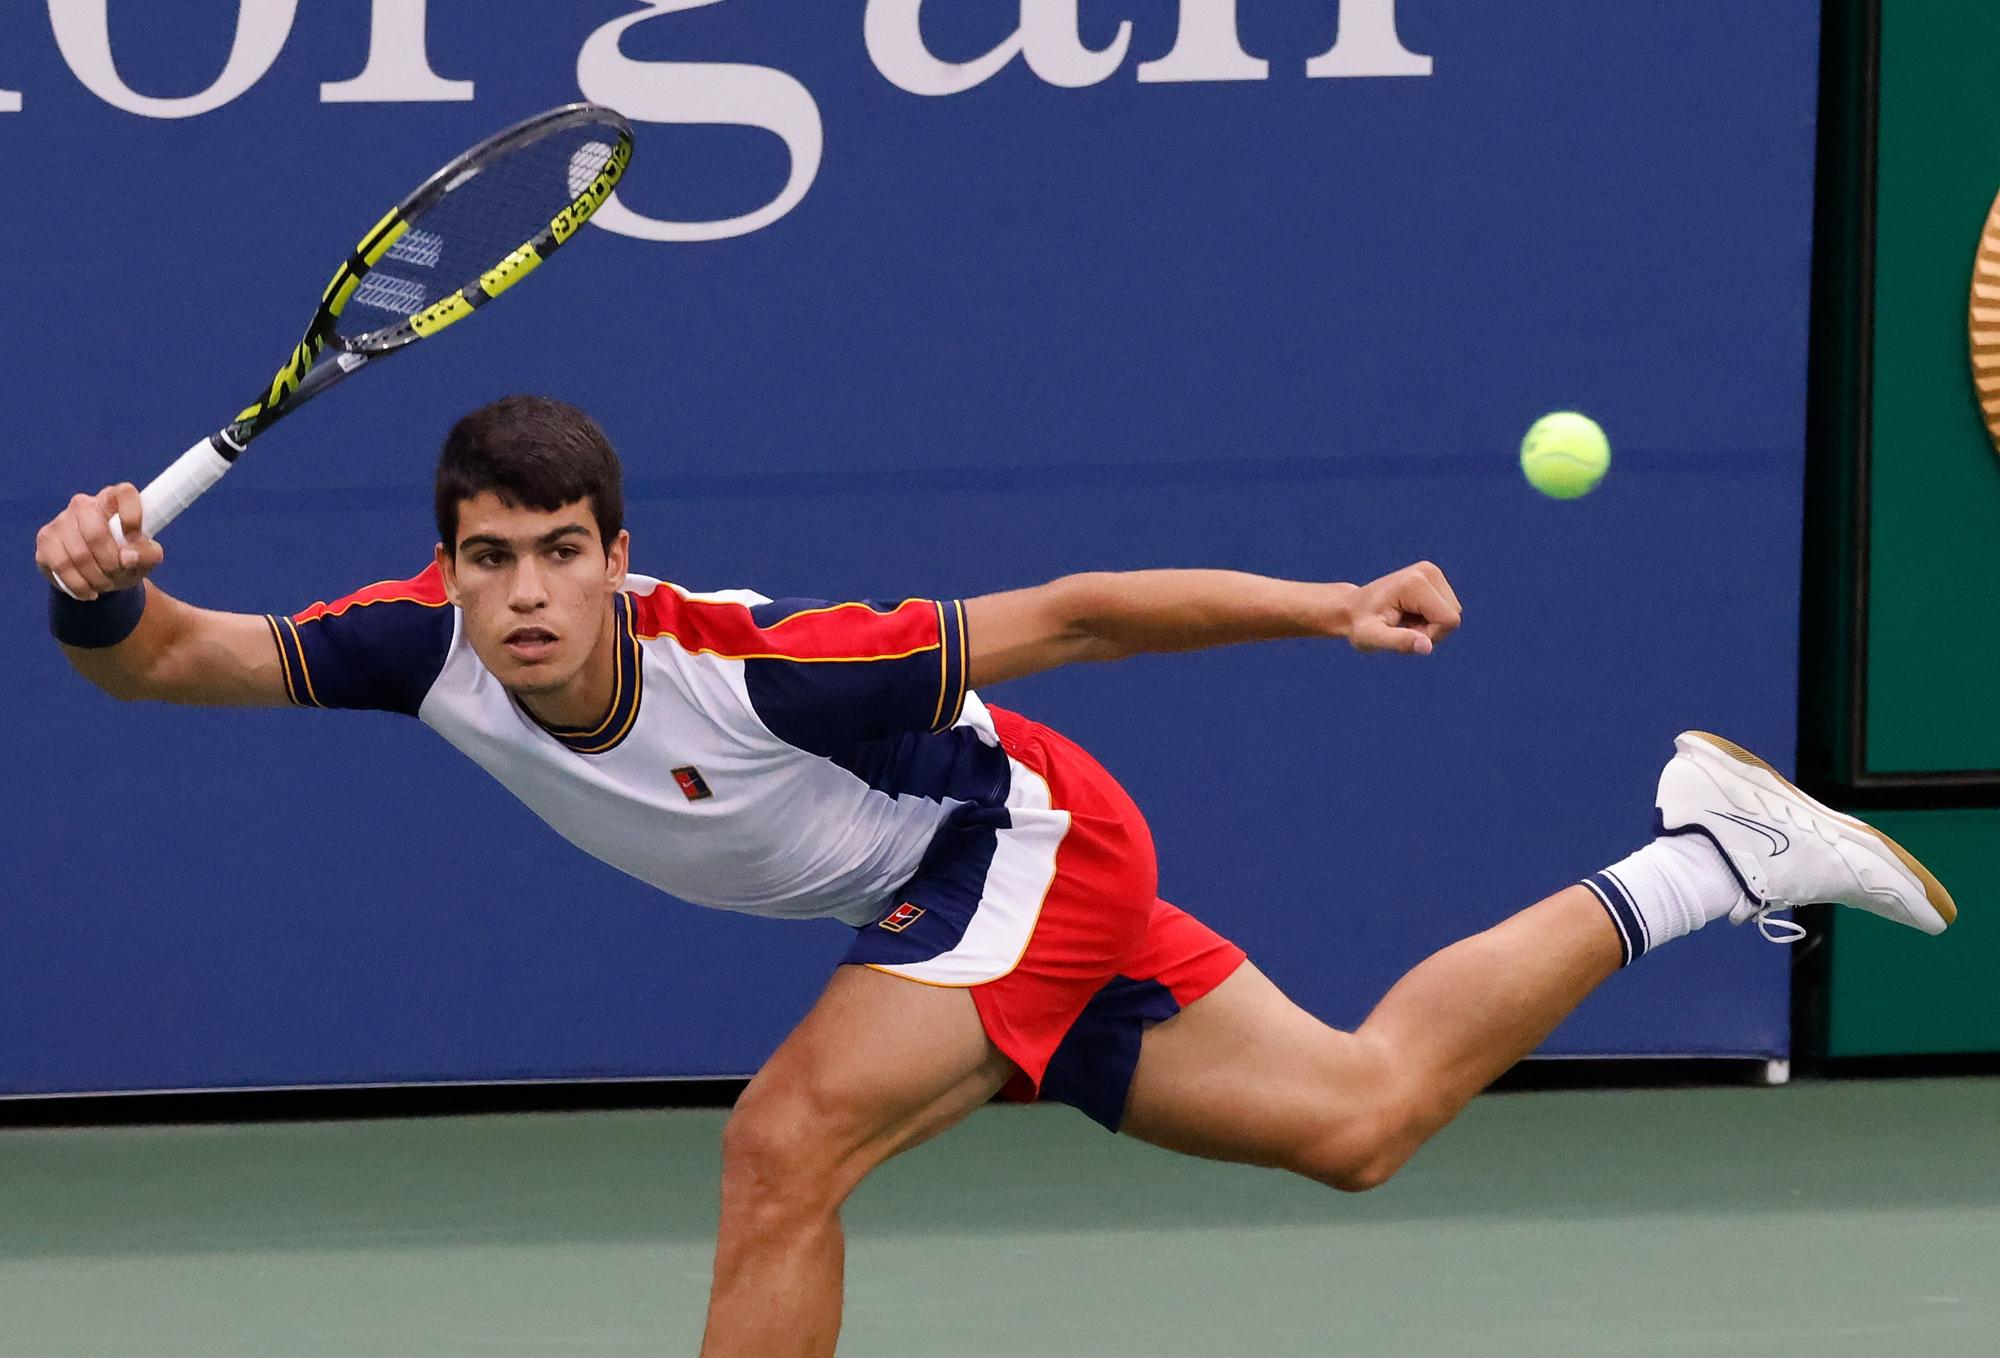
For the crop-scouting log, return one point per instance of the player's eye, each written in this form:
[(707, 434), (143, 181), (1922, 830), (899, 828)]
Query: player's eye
[(491, 559), (563, 553)]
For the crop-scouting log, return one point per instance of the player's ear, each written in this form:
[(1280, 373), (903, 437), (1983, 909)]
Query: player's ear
[(447, 567), (618, 558)]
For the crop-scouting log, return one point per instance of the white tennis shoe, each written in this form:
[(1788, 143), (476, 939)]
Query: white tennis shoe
[(1787, 849)]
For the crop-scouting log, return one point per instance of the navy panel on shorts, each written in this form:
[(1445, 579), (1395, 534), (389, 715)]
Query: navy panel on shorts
[(1092, 1070), (945, 892)]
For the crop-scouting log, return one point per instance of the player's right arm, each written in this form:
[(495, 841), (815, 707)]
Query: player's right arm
[(176, 653)]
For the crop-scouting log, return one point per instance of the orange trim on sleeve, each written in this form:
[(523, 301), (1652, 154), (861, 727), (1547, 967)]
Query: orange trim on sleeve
[(426, 589), (964, 663), (849, 631), (284, 660), (305, 671), (944, 674)]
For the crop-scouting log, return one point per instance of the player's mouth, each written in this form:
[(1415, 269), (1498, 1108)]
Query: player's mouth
[(529, 644)]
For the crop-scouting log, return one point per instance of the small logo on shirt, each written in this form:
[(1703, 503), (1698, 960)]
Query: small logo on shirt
[(692, 784), (902, 917)]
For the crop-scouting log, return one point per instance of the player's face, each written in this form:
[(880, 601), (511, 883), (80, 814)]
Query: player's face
[(535, 587)]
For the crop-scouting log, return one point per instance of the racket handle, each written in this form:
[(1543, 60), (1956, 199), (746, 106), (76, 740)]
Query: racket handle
[(179, 486), (184, 481)]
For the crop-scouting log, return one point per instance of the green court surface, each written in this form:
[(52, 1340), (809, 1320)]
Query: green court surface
[(1821, 1219)]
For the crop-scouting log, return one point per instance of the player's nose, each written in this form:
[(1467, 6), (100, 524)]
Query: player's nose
[(527, 590)]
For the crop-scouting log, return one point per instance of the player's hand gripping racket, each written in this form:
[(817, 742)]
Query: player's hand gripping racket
[(470, 232)]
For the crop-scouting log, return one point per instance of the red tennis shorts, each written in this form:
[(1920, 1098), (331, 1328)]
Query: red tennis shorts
[(1046, 908)]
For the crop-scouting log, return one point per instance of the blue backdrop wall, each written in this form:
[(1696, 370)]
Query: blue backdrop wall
[(1211, 290)]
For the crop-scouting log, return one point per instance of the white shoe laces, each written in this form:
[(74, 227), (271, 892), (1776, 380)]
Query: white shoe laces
[(1784, 931), (1777, 930)]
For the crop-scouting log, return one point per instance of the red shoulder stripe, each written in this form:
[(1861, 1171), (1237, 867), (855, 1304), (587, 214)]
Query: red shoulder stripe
[(426, 589), (837, 632)]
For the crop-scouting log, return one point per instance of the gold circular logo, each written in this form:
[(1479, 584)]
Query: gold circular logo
[(1982, 320)]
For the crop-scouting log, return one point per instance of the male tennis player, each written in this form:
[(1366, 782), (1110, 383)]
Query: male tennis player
[(810, 760)]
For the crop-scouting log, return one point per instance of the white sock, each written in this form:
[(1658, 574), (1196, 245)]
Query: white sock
[(1671, 887)]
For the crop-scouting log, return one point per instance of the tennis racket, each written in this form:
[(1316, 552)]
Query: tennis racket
[(468, 234)]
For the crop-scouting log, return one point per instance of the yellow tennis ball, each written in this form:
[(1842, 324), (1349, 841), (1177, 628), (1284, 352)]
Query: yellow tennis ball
[(1565, 455)]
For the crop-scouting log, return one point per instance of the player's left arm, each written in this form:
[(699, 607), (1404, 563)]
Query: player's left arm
[(1108, 615)]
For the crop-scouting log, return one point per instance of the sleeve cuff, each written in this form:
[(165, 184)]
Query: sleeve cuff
[(292, 659), (951, 664)]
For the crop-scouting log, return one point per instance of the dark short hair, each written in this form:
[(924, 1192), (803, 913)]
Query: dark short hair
[(532, 452)]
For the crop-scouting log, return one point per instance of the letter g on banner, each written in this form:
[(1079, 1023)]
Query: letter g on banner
[(700, 92), (83, 32)]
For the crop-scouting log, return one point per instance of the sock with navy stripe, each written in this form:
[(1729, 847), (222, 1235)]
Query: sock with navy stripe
[(1671, 887)]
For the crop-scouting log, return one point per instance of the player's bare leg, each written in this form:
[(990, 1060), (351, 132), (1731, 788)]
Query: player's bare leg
[(879, 1065), (1244, 1074)]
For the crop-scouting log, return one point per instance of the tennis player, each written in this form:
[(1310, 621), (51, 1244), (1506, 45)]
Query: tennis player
[(816, 760)]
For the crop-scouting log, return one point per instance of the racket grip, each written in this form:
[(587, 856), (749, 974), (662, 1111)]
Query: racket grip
[(173, 490)]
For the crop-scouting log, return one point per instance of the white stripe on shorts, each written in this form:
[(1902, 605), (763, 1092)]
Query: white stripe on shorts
[(1024, 867)]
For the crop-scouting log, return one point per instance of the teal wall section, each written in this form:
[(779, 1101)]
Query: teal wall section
[(1934, 554), (1898, 992)]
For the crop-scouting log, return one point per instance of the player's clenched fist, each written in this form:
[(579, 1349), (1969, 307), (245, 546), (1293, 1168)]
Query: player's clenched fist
[(77, 551), (1409, 610)]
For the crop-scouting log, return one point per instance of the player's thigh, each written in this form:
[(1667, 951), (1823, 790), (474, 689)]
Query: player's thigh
[(879, 1064), (1244, 1074)]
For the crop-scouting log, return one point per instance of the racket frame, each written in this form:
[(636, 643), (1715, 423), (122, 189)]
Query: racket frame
[(305, 376)]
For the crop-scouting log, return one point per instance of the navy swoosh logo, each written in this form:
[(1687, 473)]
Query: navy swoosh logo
[(1780, 841)]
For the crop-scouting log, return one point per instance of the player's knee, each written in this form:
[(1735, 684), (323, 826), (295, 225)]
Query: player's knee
[(771, 1157), (1357, 1175), (779, 1155), (1365, 1141), (1353, 1161)]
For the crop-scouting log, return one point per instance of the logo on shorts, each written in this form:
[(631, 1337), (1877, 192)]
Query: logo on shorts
[(902, 917), (690, 779)]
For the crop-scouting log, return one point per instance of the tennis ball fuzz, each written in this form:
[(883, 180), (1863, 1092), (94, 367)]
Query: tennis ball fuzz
[(1565, 455)]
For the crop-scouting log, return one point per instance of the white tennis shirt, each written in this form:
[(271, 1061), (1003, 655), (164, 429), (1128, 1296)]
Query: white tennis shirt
[(794, 759)]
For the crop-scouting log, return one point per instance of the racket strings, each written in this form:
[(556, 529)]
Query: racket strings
[(487, 214)]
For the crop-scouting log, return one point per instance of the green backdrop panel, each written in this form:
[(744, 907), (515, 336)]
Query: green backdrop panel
[(1934, 584), (1896, 992)]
